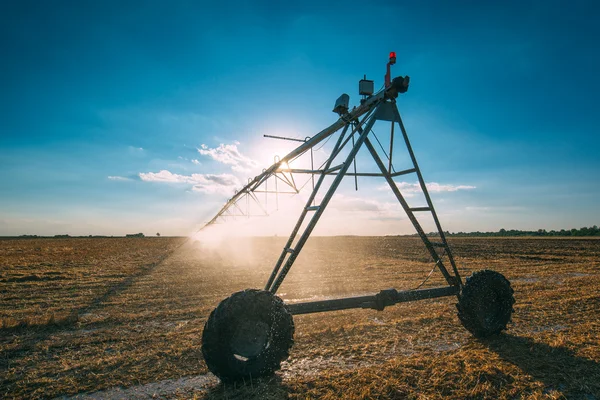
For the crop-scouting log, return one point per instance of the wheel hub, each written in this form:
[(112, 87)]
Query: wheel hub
[(250, 339)]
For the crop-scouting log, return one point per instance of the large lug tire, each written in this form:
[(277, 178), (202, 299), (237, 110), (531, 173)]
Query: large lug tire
[(248, 335), (485, 303)]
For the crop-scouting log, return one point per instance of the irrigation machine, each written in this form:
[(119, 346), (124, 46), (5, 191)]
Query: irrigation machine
[(251, 332)]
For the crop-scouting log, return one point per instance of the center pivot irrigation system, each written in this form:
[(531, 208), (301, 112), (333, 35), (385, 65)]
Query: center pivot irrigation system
[(251, 332)]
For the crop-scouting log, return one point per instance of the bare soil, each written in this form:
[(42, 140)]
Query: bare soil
[(123, 318)]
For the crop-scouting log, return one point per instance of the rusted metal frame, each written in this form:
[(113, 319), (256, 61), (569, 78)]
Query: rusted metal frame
[(428, 198), (285, 253), (409, 213), (379, 301), (317, 215)]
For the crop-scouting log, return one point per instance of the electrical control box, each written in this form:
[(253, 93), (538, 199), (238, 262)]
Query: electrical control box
[(341, 104), (365, 87)]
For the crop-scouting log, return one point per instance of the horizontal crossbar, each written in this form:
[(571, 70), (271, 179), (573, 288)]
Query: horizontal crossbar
[(378, 302), (404, 172), (332, 171)]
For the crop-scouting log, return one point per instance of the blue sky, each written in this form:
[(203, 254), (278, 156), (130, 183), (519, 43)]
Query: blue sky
[(99, 97)]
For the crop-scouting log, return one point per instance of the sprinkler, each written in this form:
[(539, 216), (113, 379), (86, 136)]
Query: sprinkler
[(251, 332)]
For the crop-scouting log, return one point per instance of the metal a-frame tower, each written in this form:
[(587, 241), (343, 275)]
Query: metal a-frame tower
[(250, 333)]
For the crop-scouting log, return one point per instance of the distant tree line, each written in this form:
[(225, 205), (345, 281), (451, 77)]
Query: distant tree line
[(66, 236), (585, 231), (132, 235)]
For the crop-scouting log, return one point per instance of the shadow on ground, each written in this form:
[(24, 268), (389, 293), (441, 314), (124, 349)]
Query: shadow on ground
[(559, 368), (268, 388), (39, 333)]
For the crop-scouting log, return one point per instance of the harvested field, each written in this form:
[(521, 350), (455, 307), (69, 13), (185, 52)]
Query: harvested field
[(123, 318)]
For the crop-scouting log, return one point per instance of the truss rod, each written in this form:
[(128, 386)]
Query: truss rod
[(272, 192), (343, 121), (410, 214), (285, 138), (285, 252), (245, 215), (313, 222), (285, 180), (367, 174), (391, 147), (427, 197), (287, 249), (253, 195)]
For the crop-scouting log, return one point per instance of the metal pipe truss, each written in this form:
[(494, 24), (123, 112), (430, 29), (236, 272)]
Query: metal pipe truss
[(355, 129)]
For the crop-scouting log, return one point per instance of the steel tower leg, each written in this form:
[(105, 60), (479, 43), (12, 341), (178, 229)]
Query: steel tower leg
[(305, 210), (427, 197), (343, 168), (409, 212)]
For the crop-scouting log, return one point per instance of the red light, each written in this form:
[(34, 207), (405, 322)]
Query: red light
[(393, 54)]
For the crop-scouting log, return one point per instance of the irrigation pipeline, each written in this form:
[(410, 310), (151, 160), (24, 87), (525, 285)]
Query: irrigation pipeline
[(345, 119)]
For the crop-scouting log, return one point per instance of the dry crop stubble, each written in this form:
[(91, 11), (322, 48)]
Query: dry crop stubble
[(147, 317)]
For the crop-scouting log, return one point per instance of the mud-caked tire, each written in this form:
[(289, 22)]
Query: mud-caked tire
[(248, 335), (485, 303)]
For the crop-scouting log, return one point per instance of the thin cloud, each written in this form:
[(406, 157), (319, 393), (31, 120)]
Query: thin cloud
[(410, 189), (119, 178), (194, 161), (436, 187), (229, 154), (204, 183), (367, 208), (348, 203)]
